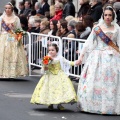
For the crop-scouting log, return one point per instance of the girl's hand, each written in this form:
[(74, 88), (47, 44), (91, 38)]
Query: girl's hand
[(45, 68)]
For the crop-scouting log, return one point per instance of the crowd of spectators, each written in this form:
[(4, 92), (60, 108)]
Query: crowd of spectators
[(33, 12)]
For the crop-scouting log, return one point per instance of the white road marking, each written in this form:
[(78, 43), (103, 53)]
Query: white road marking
[(18, 95), (36, 114)]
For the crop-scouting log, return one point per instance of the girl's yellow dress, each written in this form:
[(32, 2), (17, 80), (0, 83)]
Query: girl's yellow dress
[(54, 87)]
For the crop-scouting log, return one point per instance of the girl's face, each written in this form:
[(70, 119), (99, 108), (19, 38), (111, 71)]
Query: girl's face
[(52, 51), (8, 9), (108, 16), (58, 25), (51, 25)]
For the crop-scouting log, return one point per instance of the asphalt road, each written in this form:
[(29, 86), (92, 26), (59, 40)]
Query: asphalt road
[(15, 104)]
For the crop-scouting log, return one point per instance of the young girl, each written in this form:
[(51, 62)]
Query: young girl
[(55, 87)]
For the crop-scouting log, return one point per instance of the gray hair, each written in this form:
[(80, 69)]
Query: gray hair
[(38, 4), (116, 5), (59, 4), (72, 23), (97, 0)]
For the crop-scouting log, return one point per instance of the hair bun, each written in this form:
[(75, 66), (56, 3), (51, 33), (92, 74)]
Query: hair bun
[(55, 42), (9, 3)]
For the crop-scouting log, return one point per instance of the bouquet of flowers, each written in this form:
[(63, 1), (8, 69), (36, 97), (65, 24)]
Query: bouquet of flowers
[(19, 34), (46, 60)]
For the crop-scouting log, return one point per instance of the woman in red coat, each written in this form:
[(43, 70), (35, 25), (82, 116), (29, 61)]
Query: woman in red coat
[(58, 11)]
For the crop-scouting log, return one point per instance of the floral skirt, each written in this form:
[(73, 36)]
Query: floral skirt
[(13, 61), (99, 85), (54, 89)]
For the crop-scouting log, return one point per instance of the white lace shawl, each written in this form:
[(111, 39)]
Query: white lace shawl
[(91, 43), (14, 19)]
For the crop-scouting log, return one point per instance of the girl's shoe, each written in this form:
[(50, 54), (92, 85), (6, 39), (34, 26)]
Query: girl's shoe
[(50, 107), (60, 107)]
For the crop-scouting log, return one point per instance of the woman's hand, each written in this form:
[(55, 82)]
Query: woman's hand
[(79, 61), (77, 52)]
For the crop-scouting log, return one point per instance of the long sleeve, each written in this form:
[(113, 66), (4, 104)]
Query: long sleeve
[(90, 43), (0, 24), (65, 61), (17, 23), (118, 38), (66, 64), (86, 32)]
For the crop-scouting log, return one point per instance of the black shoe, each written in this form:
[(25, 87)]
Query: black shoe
[(50, 107), (11, 79), (60, 107)]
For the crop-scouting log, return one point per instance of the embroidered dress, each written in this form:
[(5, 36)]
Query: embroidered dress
[(99, 85), (54, 87), (13, 62)]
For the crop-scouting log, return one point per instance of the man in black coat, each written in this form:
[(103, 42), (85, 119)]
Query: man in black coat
[(96, 9), (27, 10), (45, 7), (21, 7), (69, 9)]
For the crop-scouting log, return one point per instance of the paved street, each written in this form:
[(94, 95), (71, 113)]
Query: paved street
[(14, 104)]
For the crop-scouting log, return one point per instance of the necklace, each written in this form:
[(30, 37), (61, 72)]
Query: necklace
[(107, 26)]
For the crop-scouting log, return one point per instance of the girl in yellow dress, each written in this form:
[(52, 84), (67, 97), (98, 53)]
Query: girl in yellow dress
[(55, 87)]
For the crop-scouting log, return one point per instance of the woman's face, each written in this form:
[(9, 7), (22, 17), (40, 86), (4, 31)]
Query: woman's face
[(108, 16), (80, 18), (57, 7), (62, 29), (8, 9), (42, 26), (51, 25), (81, 2), (37, 24), (58, 25)]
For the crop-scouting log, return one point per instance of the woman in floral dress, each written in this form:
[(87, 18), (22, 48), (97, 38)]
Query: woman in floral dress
[(99, 84)]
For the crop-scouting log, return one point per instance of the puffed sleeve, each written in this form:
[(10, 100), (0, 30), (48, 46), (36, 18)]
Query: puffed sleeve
[(17, 23), (66, 64), (65, 61)]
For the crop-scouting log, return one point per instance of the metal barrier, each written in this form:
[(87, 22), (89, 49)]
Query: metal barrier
[(71, 51), (36, 48), (26, 44)]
